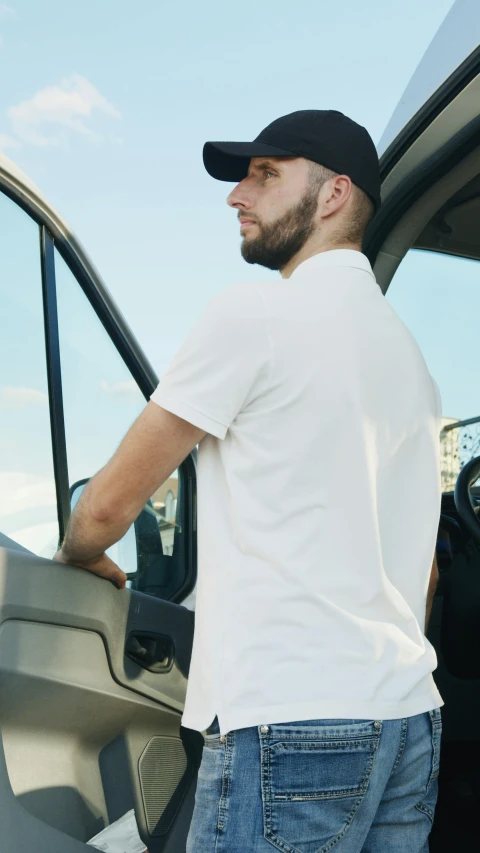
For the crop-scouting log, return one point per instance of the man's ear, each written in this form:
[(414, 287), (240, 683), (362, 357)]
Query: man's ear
[(337, 193)]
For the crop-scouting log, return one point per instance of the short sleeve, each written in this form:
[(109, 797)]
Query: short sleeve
[(223, 363)]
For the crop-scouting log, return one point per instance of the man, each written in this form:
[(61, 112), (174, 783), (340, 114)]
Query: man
[(311, 677)]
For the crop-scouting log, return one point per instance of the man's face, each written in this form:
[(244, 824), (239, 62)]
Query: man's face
[(276, 205)]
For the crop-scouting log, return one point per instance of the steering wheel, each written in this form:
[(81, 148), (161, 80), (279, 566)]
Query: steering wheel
[(466, 508)]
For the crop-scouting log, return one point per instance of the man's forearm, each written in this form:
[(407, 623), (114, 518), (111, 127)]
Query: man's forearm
[(155, 445), (90, 532)]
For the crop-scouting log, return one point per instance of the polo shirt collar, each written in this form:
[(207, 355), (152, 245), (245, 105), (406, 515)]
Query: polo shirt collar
[(334, 258)]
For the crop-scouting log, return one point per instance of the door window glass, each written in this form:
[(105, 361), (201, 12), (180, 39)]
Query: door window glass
[(101, 401), (438, 297), (28, 509)]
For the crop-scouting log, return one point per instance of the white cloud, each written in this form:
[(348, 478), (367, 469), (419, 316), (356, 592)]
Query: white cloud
[(7, 11), (123, 389), (20, 398), (55, 112), (41, 539), (20, 491)]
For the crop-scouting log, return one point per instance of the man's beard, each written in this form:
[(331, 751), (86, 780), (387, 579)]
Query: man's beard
[(280, 241)]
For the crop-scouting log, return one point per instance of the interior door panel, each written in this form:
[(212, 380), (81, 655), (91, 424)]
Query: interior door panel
[(87, 733), (92, 679)]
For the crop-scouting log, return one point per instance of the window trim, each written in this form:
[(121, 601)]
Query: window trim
[(88, 278), (56, 234), (54, 377)]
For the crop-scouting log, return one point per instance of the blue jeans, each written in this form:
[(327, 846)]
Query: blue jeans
[(350, 786)]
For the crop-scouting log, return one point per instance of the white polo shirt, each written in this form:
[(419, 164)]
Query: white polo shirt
[(318, 501)]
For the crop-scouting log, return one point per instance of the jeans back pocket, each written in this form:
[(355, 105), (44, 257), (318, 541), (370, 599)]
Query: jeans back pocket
[(428, 802), (314, 778)]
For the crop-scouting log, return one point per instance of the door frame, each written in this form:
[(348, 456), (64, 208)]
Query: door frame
[(55, 234), (431, 109), (411, 188)]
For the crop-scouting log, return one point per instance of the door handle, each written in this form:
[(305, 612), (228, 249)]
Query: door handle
[(155, 652)]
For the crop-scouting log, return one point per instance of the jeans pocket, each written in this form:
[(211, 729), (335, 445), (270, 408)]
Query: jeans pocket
[(313, 781), (429, 800)]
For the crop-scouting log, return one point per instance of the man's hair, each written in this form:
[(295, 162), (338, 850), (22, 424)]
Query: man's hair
[(362, 209)]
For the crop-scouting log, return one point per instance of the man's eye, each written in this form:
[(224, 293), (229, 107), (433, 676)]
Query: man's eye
[(269, 174)]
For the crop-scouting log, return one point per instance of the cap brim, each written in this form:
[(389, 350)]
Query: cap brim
[(229, 161)]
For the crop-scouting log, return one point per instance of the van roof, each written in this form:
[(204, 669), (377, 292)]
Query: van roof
[(456, 39)]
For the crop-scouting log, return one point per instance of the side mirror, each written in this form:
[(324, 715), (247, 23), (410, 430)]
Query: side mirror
[(140, 552)]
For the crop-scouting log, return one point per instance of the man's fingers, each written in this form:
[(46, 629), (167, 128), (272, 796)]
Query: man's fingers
[(120, 579), (106, 568), (102, 566), (112, 573)]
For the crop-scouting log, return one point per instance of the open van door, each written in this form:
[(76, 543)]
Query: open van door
[(92, 679), (424, 245)]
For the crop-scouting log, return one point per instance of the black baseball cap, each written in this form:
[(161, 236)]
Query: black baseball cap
[(327, 137)]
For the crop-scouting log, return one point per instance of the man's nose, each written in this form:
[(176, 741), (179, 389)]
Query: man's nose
[(241, 196)]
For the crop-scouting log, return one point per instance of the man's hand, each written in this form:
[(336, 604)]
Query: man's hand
[(102, 566)]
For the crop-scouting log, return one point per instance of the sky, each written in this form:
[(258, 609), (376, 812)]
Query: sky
[(106, 106)]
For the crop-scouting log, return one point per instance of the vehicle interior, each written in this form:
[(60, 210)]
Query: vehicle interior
[(454, 631), (454, 228)]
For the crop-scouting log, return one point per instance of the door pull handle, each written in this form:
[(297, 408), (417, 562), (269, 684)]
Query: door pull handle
[(155, 652)]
